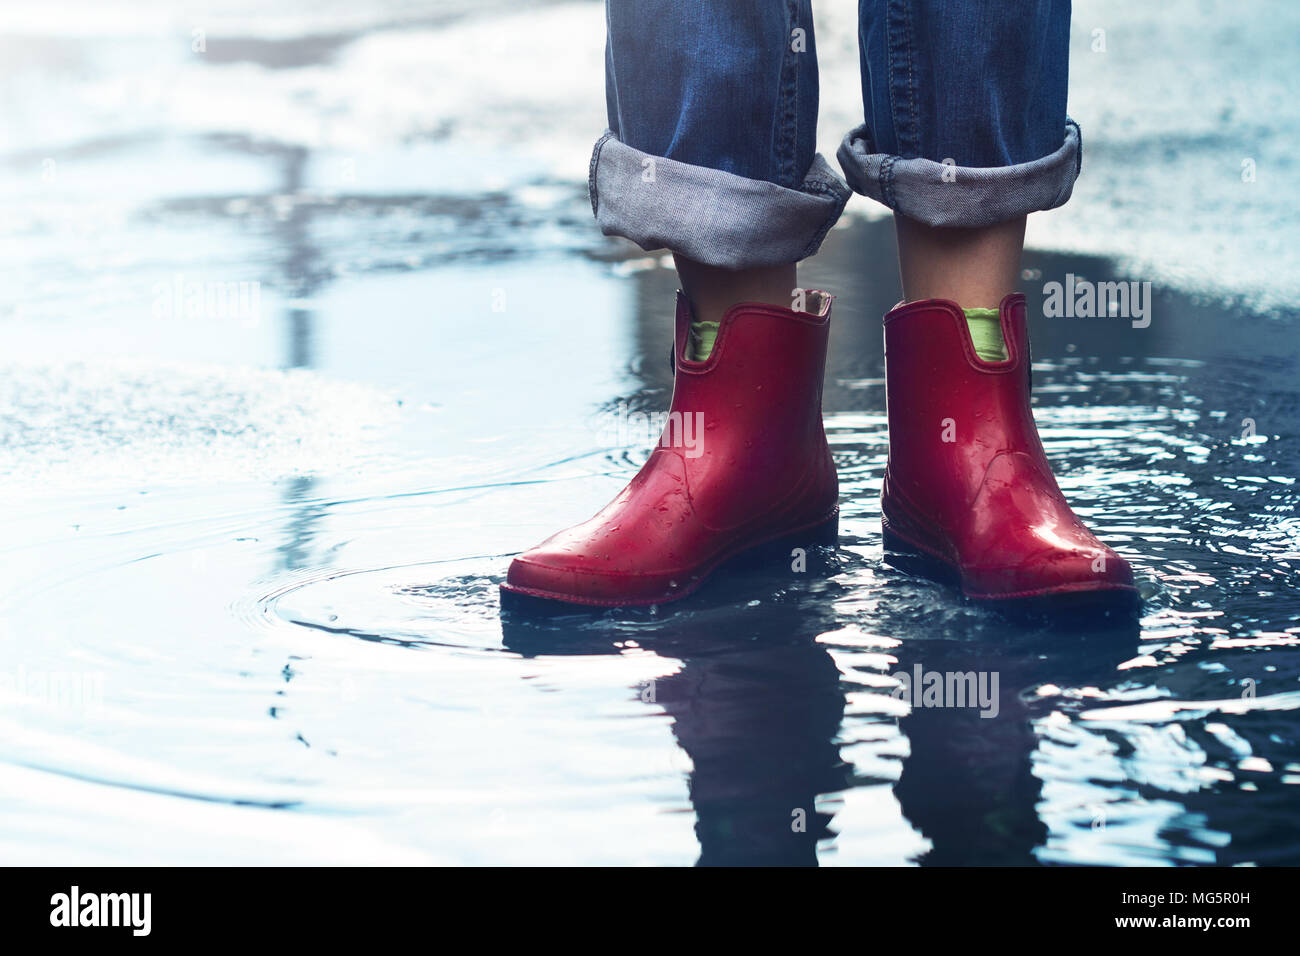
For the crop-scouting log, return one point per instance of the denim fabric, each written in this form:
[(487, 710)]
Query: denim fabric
[(714, 217), (964, 109), (715, 83), (977, 82), (944, 194)]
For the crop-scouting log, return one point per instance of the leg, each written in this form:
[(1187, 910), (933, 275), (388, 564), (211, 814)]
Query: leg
[(979, 89), (976, 267), (711, 150), (710, 153), (966, 134), (713, 289)]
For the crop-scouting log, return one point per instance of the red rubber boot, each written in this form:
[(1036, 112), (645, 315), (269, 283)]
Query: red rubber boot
[(968, 494), (742, 461)]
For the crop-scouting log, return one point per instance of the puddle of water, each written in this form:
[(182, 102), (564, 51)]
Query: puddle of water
[(249, 594)]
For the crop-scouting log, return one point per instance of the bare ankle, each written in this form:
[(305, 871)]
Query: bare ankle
[(712, 290), (975, 268)]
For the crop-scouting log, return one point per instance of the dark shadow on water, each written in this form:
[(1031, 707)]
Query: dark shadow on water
[(968, 783), (756, 705), (759, 702)]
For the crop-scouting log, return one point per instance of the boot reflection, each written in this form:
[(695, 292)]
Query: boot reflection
[(756, 705), (968, 783), (759, 724)]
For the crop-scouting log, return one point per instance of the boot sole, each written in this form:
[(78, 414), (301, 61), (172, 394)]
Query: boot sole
[(823, 531), (1083, 596)]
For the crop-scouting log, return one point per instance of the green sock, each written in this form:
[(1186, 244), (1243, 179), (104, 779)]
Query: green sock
[(986, 334), (700, 344)]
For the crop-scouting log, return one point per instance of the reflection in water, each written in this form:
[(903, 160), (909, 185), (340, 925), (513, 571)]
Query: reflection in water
[(759, 724), (758, 705), (300, 323), (968, 783), (300, 273)]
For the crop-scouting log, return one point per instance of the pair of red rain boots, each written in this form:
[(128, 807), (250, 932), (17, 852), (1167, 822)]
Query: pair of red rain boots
[(968, 494)]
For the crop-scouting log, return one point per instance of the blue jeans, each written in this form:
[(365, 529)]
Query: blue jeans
[(711, 146)]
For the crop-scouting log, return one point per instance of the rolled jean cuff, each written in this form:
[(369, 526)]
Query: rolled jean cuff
[(711, 216), (941, 194)]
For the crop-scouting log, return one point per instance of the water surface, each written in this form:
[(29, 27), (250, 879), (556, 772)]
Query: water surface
[(249, 596)]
